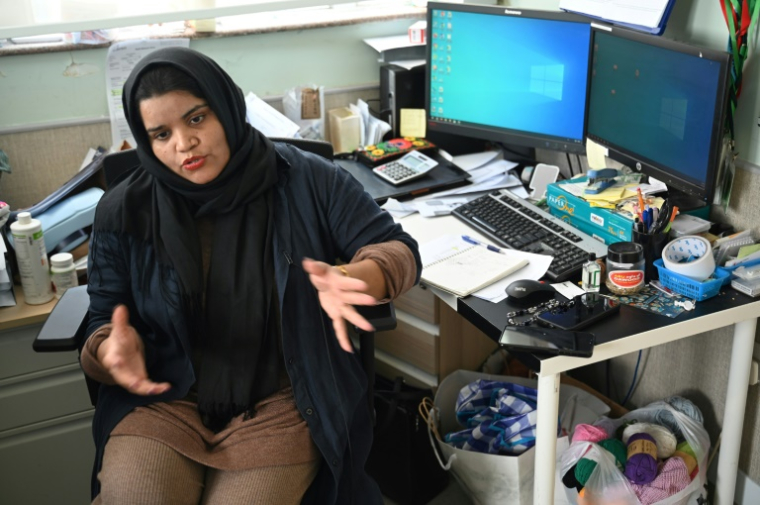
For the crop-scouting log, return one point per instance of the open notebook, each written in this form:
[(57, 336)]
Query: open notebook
[(453, 265)]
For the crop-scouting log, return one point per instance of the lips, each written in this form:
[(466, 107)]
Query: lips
[(194, 163)]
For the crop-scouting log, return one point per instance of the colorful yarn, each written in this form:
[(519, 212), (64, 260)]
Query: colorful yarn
[(682, 405), (618, 450), (584, 469), (665, 440), (641, 466), (673, 478), (686, 453), (589, 433)]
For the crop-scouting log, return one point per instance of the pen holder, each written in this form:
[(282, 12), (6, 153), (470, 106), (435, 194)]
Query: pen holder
[(653, 245)]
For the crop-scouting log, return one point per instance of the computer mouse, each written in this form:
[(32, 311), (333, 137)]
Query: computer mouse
[(527, 292)]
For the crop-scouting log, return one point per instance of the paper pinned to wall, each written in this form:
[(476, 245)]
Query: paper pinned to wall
[(122, 58)]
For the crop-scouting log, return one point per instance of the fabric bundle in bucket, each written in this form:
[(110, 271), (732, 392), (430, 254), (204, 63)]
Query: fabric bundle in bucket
[(496, 478)]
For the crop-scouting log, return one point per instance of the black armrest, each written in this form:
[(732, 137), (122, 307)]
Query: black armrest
[(66, 324), (382, 317)]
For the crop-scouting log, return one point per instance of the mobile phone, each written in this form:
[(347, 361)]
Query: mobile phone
[(548, 341), (587, 309)]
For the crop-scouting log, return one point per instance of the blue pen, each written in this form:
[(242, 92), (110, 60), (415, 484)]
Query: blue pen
[(471, 240)]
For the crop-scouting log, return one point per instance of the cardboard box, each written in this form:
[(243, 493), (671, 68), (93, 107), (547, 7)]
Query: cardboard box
[(418, 32), (600, 221), (585, 227)]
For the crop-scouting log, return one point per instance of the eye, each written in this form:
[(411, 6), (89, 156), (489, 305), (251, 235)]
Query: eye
[(197, 119), (162, 135)]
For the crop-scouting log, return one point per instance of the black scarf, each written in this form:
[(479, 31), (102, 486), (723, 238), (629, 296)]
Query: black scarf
[(238, 332)]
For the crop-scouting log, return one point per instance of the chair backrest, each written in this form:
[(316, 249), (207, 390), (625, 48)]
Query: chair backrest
[(116, 165)]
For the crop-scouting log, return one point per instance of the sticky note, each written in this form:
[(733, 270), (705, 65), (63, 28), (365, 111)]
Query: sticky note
[(596, 155), (412, 123)]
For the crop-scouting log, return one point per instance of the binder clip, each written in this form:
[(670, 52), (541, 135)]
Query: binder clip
[(599, 180)]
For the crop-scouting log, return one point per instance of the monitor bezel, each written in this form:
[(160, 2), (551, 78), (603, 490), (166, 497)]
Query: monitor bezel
[(504, 135), (652, 168)]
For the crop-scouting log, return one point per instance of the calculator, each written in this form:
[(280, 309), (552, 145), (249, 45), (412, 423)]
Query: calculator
[(412, 165)]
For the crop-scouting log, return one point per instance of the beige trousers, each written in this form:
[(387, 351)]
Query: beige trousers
[(142, 471)]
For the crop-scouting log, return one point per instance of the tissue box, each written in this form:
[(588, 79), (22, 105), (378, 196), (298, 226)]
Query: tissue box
[(345, 129), (418, 32)]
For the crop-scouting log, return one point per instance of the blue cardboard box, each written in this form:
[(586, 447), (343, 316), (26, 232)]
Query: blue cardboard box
[(610, 225)]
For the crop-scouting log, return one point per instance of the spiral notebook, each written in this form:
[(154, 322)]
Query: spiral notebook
[(453, 265)]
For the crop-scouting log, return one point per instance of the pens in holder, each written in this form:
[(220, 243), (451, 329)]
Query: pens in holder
[(473, 241)]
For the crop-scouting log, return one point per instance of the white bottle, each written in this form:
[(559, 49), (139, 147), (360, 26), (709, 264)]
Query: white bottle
[(63, 272), (32, 259)]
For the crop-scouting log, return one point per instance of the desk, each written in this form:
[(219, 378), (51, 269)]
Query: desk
[(618, 335)]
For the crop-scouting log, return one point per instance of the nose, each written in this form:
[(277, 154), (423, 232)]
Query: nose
[(186, 140)]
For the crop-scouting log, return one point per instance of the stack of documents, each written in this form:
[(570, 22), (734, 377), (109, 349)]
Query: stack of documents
[(644, 15)]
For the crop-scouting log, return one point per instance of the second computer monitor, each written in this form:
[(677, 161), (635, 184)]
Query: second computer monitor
[(659, 106), (513, 76)]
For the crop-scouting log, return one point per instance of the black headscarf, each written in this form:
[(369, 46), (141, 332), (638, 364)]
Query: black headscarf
[(238, 331)]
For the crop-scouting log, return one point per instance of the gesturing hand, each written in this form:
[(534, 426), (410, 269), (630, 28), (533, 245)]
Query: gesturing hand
[(123, 356), (337, 294)]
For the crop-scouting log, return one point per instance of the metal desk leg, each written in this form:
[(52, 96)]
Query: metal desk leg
[(546, 439), (733, 414)]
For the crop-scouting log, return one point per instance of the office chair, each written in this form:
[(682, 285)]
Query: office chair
[(65, 328)]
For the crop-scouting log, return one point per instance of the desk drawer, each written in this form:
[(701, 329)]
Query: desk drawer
[(42, 396), (419, 302), (18, 358), (48, 463), (414, 341)]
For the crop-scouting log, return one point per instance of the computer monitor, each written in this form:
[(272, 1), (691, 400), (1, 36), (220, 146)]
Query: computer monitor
[(659, 107), (514, 76)]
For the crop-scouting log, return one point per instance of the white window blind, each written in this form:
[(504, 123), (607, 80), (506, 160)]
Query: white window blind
[(24, 18)]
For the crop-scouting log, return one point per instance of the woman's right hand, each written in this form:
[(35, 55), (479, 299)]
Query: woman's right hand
[(122, 354)]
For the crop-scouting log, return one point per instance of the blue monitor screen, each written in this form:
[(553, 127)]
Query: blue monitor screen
[(509, 73), (659, 105)]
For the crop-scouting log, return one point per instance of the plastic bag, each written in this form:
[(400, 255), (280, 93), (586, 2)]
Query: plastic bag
[(305, 106), (608, 485)]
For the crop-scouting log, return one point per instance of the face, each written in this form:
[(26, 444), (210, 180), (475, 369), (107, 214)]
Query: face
[(186, 135)]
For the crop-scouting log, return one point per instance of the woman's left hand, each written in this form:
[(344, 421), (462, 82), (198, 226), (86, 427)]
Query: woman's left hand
[(337, 295)]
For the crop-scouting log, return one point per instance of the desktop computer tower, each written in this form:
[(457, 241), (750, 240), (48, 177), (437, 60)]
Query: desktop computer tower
[(402, 88)]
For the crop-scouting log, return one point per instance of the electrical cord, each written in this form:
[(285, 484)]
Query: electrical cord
[(633, 382)]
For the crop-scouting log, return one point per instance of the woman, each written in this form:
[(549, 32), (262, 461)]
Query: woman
[(226, 372)]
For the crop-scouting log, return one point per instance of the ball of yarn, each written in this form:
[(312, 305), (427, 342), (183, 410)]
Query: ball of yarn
[(584, 469), (589, 433), (665, 440), (686, 453), (682, 405), (641, 465), (617, 449), (569, 479)]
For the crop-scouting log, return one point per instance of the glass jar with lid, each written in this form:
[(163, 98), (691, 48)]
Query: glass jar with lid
[(625, 268)]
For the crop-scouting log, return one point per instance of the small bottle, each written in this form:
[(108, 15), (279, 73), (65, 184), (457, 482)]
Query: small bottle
[(32, 259), (63, 272), (591, 276)]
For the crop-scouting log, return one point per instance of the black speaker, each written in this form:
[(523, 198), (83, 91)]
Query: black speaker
[(402, 88)]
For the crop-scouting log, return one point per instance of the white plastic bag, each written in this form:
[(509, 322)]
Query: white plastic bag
[(305, 106), (608, 485)]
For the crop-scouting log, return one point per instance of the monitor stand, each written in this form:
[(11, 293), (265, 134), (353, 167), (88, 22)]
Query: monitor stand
[(687, 203)]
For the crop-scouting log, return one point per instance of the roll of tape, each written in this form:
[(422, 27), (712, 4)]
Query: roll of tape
[(690, 256)]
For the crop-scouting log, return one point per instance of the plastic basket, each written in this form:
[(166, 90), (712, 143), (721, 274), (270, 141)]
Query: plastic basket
[(691, 288)]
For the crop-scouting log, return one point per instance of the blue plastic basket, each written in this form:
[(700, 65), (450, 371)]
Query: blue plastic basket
[(691, 288)]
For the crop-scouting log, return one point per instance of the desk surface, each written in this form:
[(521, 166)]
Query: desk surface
[(24, 314)]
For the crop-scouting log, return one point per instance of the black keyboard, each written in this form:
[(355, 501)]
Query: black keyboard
[(514, 223)]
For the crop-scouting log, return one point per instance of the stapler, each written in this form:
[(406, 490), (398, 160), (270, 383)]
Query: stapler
[(601, 179)]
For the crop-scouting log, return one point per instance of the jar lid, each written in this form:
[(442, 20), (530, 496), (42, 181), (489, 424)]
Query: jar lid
[(625, 252), (62, 260)]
